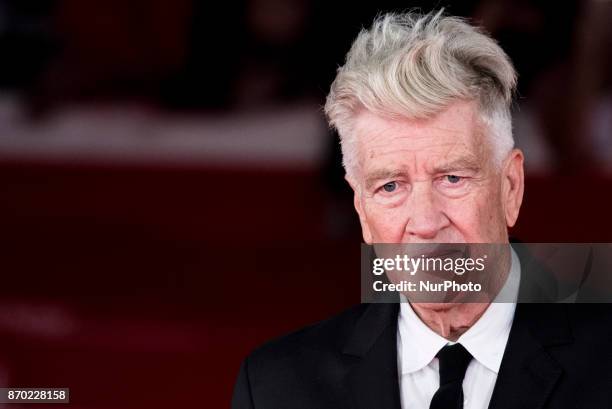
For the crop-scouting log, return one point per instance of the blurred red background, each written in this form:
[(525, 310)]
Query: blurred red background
[(170, 196)]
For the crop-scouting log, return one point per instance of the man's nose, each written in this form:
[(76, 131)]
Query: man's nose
[(425, 217)]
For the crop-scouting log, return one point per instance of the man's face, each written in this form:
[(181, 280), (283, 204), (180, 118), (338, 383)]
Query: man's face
[(433, 181)]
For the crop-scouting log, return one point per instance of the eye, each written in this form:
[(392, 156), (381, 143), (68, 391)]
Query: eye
[(390, 187), (453, 178)]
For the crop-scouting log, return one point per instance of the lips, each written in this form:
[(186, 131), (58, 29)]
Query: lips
[(444, 252), (439, 250)]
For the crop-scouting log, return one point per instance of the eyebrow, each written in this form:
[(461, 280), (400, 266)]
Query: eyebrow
[(463, 163), (381, 174)]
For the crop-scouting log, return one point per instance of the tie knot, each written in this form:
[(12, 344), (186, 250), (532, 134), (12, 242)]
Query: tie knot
[(454, 360)]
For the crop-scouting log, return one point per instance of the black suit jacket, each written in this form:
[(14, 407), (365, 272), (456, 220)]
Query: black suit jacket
[(557, 356)]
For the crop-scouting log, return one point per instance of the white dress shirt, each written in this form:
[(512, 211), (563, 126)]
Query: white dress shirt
[(417, 346)]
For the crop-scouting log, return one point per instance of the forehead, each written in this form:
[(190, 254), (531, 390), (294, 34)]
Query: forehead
[(453, 134)]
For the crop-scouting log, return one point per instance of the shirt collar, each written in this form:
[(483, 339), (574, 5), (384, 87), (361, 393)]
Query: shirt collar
[(485, 340)]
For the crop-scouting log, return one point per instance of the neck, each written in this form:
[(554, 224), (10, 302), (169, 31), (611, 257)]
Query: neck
[(450, 320)]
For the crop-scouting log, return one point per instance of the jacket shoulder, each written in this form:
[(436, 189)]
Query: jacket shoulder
[(304, 367), (325, 337)]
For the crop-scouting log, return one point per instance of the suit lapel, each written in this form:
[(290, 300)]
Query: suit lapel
[(372, 380), (528, 373), (527, 376)]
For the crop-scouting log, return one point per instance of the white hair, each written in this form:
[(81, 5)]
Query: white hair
[(414, 65)]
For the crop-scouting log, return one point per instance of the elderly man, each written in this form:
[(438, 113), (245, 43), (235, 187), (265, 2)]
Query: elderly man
[(422, 107)]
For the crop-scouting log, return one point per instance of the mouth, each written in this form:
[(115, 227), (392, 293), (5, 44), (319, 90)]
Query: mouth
[(446, 251)]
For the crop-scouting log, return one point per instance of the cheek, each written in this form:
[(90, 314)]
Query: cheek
[(386, 225), (477, 218), (467, 218)]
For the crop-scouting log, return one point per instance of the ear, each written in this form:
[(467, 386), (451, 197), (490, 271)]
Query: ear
[(365, 229), (513, 184)]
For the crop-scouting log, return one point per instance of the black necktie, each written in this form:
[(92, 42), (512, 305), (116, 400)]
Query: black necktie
[(454, 360)]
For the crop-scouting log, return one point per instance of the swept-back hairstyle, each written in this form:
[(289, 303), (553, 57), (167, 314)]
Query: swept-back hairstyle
[(414, 65)]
